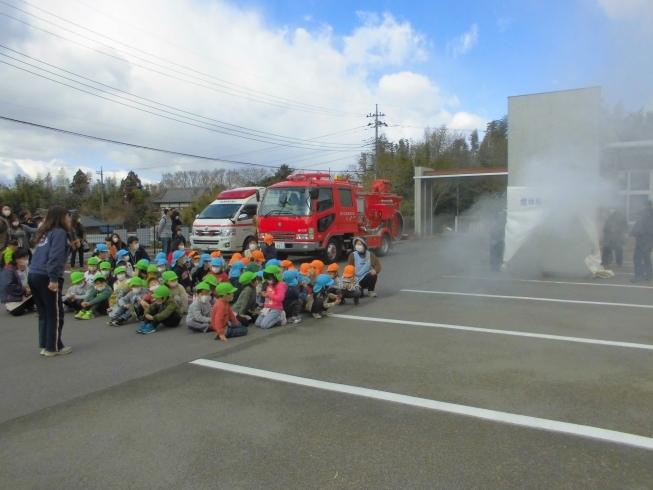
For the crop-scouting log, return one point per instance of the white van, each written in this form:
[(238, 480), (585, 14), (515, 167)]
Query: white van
[(227, 224)]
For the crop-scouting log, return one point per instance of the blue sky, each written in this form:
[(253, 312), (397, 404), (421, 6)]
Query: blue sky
[(426, 63)]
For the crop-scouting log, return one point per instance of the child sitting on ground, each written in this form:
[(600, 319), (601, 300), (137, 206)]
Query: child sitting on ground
[(129, 305), (321, 297), (97, 300), (349, 287), (8, 254), (161, 266), (141, 269), (292, 302), (223, 320), (151, 284), (77, 292), (217, 271), (179, 261), (245, 305), (202, 269), (199, 311), (317, 266), (105, 270), (14, 290), (91, 270), (287, 265), (122, 260), (164, 311), (120, 286), (272, 313), (176, 290)]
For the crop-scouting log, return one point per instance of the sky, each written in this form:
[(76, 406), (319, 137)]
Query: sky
[(262, 83)]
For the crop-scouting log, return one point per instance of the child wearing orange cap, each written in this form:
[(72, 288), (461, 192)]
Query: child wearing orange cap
[(269, 249), (316, 268), (236, 256), (215, 255), (245, 260), (286, 265), (258, 258), (332, 272), (349, 287)]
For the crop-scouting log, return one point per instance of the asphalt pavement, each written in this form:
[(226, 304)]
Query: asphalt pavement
[(454, 377)]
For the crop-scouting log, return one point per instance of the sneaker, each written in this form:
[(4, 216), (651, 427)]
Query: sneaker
[(89, 315), (120, 322), (372, 294), (317, 315), (42, 352), (327, 313), (295, 319), (140, 329), (65, 350), (148, 328), (80, 314), (112, 323)]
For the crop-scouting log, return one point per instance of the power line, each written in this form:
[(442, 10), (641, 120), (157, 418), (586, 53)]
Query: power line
[(158, 57), (267, 140), (143, 98), (132, 145)]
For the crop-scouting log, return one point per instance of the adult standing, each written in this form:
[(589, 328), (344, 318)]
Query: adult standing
[(367, 266), (165, 230), (614, 234), (20, 232), (45, 279), (80, 234), (643, 233), (136, 252), (5, 212), (176, 221)]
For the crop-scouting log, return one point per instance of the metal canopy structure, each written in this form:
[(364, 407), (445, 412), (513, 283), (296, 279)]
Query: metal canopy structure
[(424, 180)]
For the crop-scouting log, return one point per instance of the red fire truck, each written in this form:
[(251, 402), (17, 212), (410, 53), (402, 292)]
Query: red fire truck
[(311, 213)]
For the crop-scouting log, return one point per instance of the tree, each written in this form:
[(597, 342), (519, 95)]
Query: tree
[(129, 185), (80, 184), (280, 175), (493, 151), (188, 214)]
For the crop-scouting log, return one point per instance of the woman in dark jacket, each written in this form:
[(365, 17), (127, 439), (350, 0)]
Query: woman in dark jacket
[(80, 234), (13, 293), (45, 279)]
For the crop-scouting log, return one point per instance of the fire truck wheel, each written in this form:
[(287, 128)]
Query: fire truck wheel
[(386, 244), (332, 251)]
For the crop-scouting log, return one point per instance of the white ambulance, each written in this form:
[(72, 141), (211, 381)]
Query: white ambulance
[(227, 224)]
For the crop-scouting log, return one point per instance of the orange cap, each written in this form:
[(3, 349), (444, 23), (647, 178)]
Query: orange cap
[(304, 268), (258, 255), (193, 253), (245, 260), (287, 264), (349, 271), (333, 268), (319, 266), (215, 254), (235, 257), (268, 239)]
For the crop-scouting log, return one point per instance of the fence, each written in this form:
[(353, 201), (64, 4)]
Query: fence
[(147, 237)]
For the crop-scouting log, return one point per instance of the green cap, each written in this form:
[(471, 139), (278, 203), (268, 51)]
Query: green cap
[(76, 277), (136, 281), (274, 269), (118, 270), (170, 276), (93, 261), (97, 277), (225, 288), (142, 265), (161, 292), (202, 286), (152, 268), (252, 267), (247, 277), (211, 280), (105, 265)]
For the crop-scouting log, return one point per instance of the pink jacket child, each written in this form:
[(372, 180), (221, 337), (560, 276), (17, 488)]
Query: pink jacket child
[(275, 291)]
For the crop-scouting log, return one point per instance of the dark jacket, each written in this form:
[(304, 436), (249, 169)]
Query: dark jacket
[(269, 251), (292, 294), (643, 227), (51, 255), (11, 289), (141, 253), (616, 226), (4, 233)]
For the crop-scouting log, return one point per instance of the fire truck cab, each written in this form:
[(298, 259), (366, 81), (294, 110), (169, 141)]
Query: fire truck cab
[(311, 213)]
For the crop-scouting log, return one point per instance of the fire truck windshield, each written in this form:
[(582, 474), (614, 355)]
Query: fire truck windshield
[(291, 201)]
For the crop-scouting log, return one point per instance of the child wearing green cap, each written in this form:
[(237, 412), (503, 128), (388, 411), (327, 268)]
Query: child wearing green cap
[(120, 286), (97, 300), (177, 291), (223, 319), (141, 269), (245, 305), (199, 311), (164, 311), (128, 305), (91, 270), (77, 292), (272, 313)]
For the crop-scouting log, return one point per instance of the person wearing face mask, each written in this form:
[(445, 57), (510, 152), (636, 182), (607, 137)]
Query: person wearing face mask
[(136, 252), (97, 300), (5, 213), (123, 261), (91, 270), (164, 311), (177, 246), (274, 293), (203, 268), (223, 320), (21, 233), (180, 260), (117, 242), (177, 291), (120, 287), (250, 247), (77, 292), (217, 266), (151, 284), (105, 270), (199, 311), (14, 293), (129, 305), (367, 267)]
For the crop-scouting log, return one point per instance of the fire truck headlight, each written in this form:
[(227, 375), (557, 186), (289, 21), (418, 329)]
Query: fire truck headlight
[(301, 236)]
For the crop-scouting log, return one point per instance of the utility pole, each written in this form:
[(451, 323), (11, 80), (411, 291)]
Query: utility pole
[(101, 174), (376, 123)]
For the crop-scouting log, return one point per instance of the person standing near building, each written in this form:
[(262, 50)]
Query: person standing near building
[(46, 279), (643, 233), (614, 237), (165, 230), (5, 212), (80, 233)]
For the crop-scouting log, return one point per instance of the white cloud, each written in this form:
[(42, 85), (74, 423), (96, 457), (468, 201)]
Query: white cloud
[(627, 9), (306, 66), (464, 43)]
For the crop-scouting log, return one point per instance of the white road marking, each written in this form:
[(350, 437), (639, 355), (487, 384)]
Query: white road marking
[(548, 282), (515, 333), (528, 298), (480, 413)]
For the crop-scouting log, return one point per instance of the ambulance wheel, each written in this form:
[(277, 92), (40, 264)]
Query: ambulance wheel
[(332, 251), (386, 244)]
